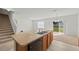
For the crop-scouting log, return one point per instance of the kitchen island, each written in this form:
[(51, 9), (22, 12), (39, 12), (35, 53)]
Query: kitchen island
[(32, 41)]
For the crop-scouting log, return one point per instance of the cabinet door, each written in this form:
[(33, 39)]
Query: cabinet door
[(49, 39), (45, 43), (36, 45), (21, 48)]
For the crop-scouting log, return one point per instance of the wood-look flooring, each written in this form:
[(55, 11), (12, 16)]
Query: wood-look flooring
[(61, 46), (63, 42)]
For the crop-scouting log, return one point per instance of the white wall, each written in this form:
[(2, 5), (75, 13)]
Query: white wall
[(78, 25), (23, 23), (70, 25)]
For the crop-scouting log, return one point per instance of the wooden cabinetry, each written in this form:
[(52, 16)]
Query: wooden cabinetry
[(21, 48), (40, 44), (45, 43), (49, 39)]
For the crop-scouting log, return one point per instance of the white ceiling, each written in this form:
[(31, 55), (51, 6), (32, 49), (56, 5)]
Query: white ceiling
[(45, 12)]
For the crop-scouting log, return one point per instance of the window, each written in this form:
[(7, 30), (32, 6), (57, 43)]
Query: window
[(40, 24)]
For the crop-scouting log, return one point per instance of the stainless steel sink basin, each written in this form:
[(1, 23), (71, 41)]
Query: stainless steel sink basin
[(42, 32)]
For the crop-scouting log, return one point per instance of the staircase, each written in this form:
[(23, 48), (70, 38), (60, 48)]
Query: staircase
[(5, 34), (6, 41)]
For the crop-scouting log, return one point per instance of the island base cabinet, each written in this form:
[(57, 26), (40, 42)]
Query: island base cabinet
[(49, 39), (40, 44), (21, 48), (45, 43)]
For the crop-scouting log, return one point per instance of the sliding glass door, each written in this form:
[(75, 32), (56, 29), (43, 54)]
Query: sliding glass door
[(57, 26)]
